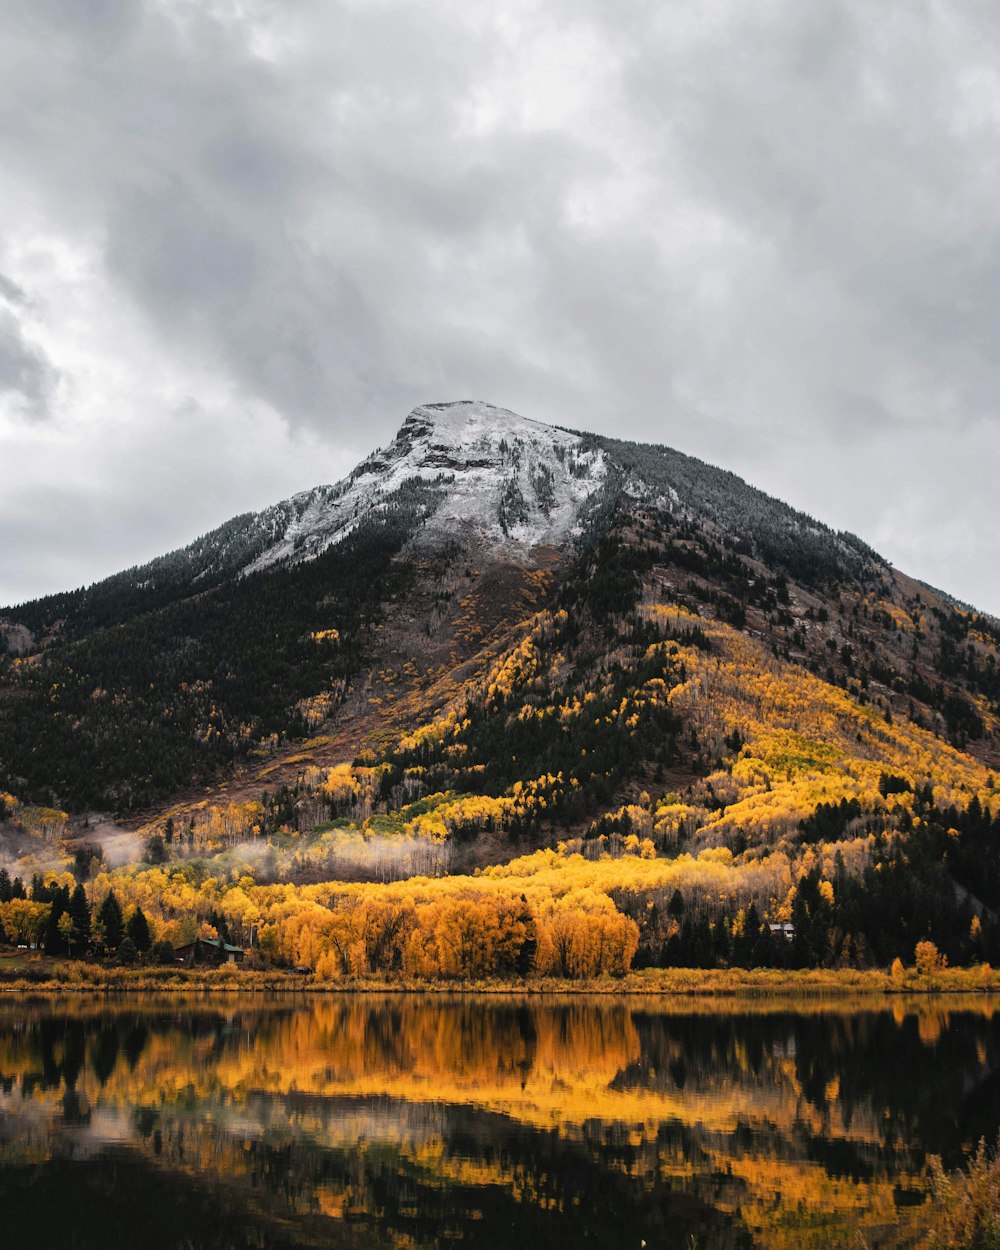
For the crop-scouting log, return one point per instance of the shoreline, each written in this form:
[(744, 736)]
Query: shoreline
[(69, 977)]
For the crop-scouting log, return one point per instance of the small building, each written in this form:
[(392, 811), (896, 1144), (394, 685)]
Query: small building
[(212, 951), (785, 930)]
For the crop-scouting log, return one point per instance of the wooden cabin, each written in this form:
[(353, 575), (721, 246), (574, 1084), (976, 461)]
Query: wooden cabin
[(212, 951)]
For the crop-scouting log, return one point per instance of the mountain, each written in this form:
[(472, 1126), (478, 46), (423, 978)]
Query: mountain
[(461, 472), (465, 472), (496, 641)]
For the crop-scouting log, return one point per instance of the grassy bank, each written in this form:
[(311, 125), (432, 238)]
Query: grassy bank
[(764, 981), (36, 973)]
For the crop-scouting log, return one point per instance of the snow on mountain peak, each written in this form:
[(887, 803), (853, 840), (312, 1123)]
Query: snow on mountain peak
[(492, 476)]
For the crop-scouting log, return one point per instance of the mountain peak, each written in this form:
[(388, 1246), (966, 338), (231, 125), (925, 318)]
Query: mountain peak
[(469, 420), (463, 469), (469, 473)]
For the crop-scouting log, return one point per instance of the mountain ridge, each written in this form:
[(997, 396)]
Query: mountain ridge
[(514, 509)]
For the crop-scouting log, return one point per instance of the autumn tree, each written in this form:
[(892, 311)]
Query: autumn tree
[(928, 959)]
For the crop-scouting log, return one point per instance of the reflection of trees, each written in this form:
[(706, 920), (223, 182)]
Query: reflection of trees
[(897, 1083), (422, 1171), (115, 1203), (104, 1053), (520, 1108)]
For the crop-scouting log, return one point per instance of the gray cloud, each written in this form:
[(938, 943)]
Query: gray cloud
[(27, 379), (765, 234), (11, 293)]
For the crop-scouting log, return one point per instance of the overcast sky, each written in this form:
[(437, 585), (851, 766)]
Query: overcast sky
[(239, 240)]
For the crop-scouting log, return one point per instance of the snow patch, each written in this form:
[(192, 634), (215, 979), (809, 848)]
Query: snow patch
[(504, 479)]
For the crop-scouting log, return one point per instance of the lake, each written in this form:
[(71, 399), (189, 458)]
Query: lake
[(364, 1120)]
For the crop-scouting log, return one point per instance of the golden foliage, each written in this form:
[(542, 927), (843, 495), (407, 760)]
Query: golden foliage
[(805, 742)]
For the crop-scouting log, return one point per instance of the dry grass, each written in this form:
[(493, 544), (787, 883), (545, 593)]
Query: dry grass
[(966, 1213), (35, 973)]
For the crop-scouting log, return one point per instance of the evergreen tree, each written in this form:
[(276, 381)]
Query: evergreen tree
[(112, 922), (79, 913), (126, 950), (53, 942), (156, 851), (137, 930), (746, 942), (218, 923), (5, 886)]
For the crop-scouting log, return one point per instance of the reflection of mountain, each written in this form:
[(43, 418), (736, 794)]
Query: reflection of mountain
[(413, 1117)]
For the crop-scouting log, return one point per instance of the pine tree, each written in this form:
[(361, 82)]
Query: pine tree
[(112, 922), (79, 913), (137, 930), (52, 942), (156, 852)]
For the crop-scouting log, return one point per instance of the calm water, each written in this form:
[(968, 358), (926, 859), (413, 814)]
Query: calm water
[(365, 1121)]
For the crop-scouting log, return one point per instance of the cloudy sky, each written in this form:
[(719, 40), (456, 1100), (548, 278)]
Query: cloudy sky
[(239, 239)]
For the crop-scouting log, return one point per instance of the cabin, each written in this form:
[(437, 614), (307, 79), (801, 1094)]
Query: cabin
[(212, 951), (785, 930)]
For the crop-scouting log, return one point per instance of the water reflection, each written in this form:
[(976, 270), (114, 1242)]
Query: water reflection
[(408, 1121)]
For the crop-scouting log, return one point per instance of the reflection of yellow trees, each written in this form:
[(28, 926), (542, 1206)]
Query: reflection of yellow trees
[(816, 1210), (561, 1067)]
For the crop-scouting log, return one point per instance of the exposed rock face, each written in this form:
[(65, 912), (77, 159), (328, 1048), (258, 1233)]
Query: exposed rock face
[(15, 639), (465, 469)]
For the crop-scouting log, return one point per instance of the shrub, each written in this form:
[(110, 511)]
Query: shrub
[(968, 1203)]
